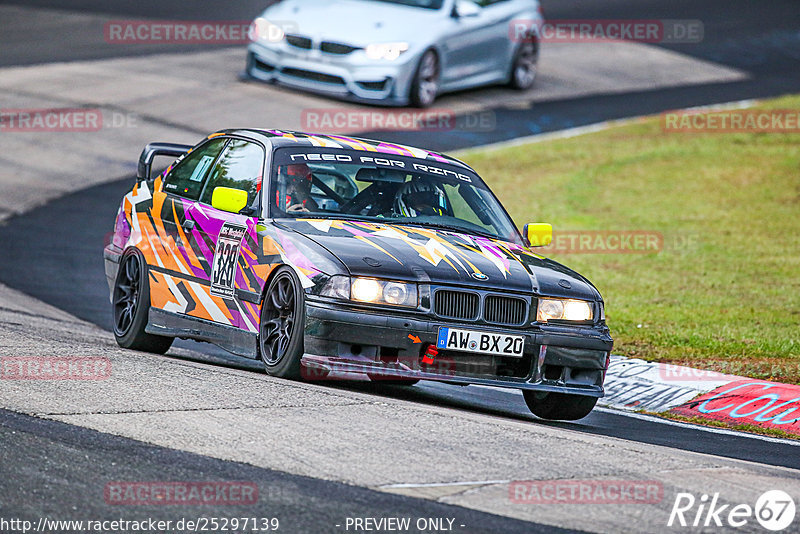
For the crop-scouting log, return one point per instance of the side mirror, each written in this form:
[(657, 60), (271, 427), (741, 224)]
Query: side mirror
[(465, 8), (229, 199), (538, 234)]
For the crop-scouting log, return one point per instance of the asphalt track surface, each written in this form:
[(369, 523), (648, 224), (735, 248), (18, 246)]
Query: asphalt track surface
[(762, 38), (46, 258), (54, 253), (73, 462)]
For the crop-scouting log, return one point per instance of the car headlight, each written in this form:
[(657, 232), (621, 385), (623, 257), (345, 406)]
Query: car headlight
[(372, 290), (337, 287), (365, 290), (388, 51), (563, 309), (263, 30)]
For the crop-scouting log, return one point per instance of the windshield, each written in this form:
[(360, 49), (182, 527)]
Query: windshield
[(339, 184), (427, 4)]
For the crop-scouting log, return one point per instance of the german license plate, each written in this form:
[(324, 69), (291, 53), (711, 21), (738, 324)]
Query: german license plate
[(480, 342)]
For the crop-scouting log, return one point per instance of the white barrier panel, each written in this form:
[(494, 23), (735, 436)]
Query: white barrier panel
[(633, 384)]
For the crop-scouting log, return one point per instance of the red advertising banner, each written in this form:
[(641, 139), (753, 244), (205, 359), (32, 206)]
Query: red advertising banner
[(754, 402)]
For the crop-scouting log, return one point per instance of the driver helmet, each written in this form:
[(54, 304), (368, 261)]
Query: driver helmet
[(420, 196), (297, 178)]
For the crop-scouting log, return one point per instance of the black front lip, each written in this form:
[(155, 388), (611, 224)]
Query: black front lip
[(333, 325)]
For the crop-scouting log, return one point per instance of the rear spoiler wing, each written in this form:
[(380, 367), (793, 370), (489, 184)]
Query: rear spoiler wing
[(158, 149)]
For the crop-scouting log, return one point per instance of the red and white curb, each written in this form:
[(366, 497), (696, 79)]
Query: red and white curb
[(633, 384)]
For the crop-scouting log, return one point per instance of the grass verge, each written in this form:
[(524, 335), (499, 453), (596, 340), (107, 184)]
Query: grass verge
[(723, 292), (752, 429)]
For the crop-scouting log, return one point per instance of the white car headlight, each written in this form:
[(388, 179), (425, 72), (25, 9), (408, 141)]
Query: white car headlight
[(365, 290), (263, 30), (372, 290), (388, 51), (563, 309)]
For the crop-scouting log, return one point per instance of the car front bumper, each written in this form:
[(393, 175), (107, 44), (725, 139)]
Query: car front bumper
[(383, 82), (344, 339)]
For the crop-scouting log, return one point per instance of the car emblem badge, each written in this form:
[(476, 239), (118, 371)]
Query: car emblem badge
[(479, 276), (565, 284)]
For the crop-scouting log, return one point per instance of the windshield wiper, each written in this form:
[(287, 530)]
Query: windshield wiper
[(335, 216), (459, 229)]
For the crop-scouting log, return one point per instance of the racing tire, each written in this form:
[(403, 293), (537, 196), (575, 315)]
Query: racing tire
[(425, 85), (280, 337), (392, 380), (524, 65), (559, 406), (130, 304)]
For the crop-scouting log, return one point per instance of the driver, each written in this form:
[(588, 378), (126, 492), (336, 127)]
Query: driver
[(294, 182), (420, 196)]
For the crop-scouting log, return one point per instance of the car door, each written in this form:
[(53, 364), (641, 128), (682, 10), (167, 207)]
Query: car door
[(177, 255), (475, 47), (499, 16), (231, 237)]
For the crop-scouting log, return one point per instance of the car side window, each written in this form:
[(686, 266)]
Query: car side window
[(187, 178), (241, 166)]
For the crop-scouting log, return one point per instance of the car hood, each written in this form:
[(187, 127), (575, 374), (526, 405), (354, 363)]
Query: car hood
[(356, 22), (441, 257)]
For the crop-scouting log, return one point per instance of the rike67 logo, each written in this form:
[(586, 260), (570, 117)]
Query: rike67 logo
[(774, 510)]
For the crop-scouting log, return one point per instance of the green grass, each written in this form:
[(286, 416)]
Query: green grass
[(729, 302)]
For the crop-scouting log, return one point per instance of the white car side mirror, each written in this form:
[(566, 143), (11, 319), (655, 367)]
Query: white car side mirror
[(466, 8)]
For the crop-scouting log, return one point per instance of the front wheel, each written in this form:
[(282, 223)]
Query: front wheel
[(131, 306), (559, 405), (425, 85), (524, 65), (280, 340)]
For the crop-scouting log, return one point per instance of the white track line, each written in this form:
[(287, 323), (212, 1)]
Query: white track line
[(592, 128), (445, 484), (665, 421)]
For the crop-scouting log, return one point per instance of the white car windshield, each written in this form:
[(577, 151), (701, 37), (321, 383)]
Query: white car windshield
[(359, 185)]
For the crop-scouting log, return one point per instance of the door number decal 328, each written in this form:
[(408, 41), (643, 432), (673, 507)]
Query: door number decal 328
[(223, 273)]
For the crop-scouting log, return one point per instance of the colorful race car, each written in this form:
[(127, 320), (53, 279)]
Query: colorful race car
[(328, 255)]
